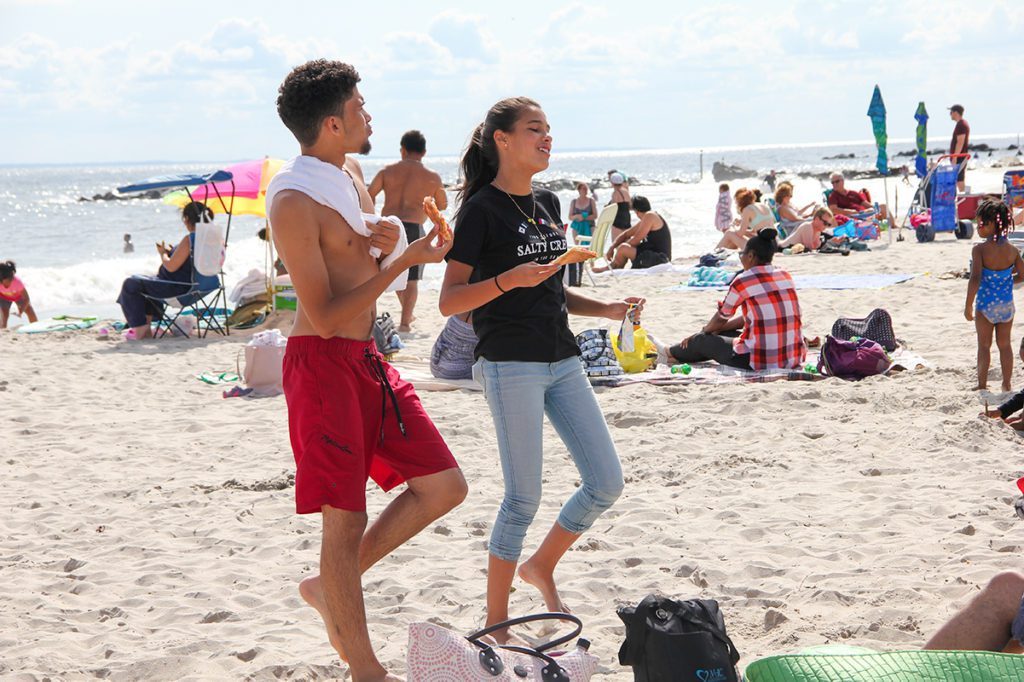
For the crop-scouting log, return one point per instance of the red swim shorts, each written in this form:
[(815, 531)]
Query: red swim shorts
[(344, 427)]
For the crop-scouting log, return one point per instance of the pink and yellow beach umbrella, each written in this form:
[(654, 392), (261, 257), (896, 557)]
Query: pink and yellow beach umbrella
[(247, 196)]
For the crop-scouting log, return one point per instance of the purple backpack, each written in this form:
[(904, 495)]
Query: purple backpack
[(852, 359)]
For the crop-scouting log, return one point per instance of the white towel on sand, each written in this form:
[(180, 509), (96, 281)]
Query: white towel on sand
[(330, 186)]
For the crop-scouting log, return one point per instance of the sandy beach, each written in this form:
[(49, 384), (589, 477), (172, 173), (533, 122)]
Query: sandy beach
[(148, 528)]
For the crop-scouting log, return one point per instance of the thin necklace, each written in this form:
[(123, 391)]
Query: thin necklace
[(532, 220)]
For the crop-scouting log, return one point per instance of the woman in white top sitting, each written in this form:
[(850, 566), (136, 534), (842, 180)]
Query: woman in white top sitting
[(789, 215)]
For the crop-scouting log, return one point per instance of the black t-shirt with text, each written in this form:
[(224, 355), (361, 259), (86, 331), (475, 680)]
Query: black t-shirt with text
[(493, 235)]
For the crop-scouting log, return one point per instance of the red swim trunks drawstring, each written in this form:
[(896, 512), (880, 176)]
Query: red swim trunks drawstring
[(385, 390)]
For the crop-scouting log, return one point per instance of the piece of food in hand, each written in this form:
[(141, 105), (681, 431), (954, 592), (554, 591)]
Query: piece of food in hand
[(430, 208), (576, 254)]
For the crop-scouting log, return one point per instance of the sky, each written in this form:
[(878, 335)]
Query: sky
[(105, 82)]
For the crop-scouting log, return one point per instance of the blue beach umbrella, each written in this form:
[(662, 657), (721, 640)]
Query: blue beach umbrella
[(921, 161), (876, 111)]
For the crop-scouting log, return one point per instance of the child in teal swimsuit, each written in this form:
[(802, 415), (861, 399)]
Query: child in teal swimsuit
[(995, 266)]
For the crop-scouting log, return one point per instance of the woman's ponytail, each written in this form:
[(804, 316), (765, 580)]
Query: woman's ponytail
[(477, 170)]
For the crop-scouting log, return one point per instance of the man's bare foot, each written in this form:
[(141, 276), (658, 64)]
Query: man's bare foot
[(405, 328), (312, 592), (981, 387), (544, 581), (1006, 388)]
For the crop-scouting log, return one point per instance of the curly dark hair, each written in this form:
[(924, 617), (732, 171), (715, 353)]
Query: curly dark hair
[(997, 213), (311, 93)]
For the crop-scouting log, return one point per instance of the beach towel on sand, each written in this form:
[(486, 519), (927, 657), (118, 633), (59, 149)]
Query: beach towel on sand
[(710, 373), (821, 665), (330, 186)]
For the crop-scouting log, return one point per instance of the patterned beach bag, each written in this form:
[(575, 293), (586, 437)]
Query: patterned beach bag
[(877, 326), (440, 655)]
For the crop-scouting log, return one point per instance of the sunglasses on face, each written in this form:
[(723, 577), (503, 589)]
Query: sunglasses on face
[(836, 182)]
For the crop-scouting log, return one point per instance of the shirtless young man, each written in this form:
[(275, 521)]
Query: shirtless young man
[(335, 381), (405, 184)]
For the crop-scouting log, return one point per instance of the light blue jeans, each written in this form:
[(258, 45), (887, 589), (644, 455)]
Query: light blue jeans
[(519, 394)]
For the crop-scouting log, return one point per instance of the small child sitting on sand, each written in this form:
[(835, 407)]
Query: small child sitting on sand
[(12, 290), (995, 266)]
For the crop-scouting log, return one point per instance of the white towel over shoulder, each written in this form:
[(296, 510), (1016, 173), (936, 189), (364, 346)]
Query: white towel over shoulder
[(328, 185)]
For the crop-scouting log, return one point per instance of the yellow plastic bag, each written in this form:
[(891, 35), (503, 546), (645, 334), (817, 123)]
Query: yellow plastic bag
[(643, 356)]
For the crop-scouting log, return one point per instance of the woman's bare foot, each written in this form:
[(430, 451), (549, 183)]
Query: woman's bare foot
[(312, 592), (502, 636), (404, 326), (544, 581), (1006, 388)]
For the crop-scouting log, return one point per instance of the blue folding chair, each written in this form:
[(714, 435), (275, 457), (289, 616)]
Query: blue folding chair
[(195, 299), (209, 311)]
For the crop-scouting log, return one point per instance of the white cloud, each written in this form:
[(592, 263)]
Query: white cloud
[(738, 71), (464, 36), (417, 54)]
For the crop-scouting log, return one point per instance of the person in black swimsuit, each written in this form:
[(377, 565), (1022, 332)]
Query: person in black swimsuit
[(620, 197), (646, 244)]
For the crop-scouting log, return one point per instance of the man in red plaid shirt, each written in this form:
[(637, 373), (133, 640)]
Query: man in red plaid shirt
[(770, 333)]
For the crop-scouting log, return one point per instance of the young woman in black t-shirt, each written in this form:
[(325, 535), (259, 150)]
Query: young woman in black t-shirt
[(507, 233)]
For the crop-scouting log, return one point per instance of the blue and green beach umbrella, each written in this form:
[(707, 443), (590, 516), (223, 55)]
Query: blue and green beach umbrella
[(877, 113), (921, 161)]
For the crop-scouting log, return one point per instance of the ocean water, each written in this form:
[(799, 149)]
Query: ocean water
[(69, 252)]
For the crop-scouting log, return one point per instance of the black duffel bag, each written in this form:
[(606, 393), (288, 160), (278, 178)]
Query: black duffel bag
[(669, 640)]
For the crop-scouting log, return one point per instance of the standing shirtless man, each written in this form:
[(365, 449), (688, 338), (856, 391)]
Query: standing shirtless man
[(334, 379), (405, 184)]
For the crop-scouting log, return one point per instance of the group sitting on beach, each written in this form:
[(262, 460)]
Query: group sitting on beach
[(801, 228)]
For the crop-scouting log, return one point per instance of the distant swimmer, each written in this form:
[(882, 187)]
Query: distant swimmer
[(128, 246), (405, 184)]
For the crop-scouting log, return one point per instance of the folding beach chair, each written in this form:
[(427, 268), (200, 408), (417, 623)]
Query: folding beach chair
[(1013, 189), (599, 240), (1013, 197), (205, 297)]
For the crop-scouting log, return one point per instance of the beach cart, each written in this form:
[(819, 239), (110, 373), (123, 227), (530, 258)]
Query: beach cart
[(934, 208)]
